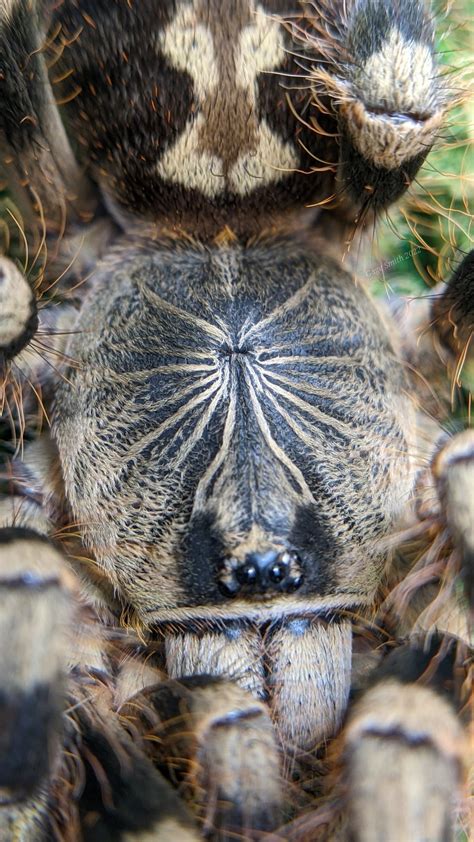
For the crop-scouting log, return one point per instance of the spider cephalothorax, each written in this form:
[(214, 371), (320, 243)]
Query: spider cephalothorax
[(203, 536), (232, 417)]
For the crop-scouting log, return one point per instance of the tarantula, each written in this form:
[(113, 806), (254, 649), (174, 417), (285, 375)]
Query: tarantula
[(230, 555)]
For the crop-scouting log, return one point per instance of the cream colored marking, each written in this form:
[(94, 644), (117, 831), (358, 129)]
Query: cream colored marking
[(172, 420), (217, 392), (169, 349), (343, 362), (270, 160), (166, 830), (400, 77), (289, 304), (6, 9), (34, 622), (173, 368), (16, 299), (196, 321), (312, 436), (199, 382), (201, 425), (274, 447), (224, 146), (183, 164), (223, 452), (302, 386), (304, 406)]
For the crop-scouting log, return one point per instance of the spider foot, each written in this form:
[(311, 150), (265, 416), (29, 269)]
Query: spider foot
[(18, 311), (387, 95), (218, 746), (404, 753)]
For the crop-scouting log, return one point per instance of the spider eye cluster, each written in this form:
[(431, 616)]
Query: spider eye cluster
[(261, 572)]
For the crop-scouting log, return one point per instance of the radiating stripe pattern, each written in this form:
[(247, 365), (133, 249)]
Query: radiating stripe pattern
[(229, 402)]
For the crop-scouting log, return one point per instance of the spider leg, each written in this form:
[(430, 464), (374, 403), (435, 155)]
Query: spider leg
[(233, 749), (218, 745), (65, 758), (384, 86), (437, 331), (34, 619), (300, 667), (453, 470), (124, 798), (453, 310), (404, 751), (44, 176), (404, 748), (21, 323), (436, 591), (33, 345), (35, 329)]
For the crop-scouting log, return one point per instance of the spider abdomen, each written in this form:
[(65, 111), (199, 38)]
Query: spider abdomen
[(219, 418), (190, 113)]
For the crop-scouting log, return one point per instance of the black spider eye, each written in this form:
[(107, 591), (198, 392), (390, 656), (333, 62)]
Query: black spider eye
[(277, 571), (247, 574)]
